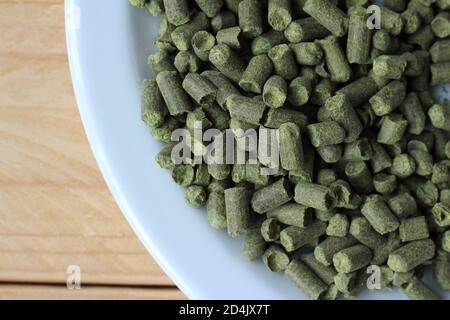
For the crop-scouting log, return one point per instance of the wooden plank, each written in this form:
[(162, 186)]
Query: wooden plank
[(56, 210), (34, 292)]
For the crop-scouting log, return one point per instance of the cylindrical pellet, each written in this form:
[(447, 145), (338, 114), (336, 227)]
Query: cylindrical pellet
[(352, 259), (292, 238), (299, 90), (441, 25), (359, 36), (283, 61), (335, 58), (202, 43), (161, 61), (306, 29), (359, 177), (171, 89), (328, 15), (223, 20), (291, 147), (412, 21), (379, 215), (256, 74), (391, 21), (227, 62), (276, 117), (441, 172), (361, 229), (385, 183), (275, 92), (182, 35), (200, 89), (246, 109), (195, 196), (275, 258), (322, 92), (272, 196), (380, 159), (341, 111), (413, 229), (395, 5), (424, 162), (417, 290), (403, 166), (314, 196), (231, 37), (411, 255), (306, 280), (413, 112), (424, 37), (279, 14), (224, 87), (177, 11), (381, 253), (389, 66), (325, 273), (187, 62), (307, 53), (215, 208), (250, 18), (153, 109), (325, 251), (292, 214), (237, 205), (330, 154), (263, 43), (338, 226), (441, 274), (325, 133), (359, 91), (270, 230), (392, 129), (359, 150), (254, 245), (210, 7), (381, 40), (388, 98), (440, 51), (440, 116), (441, 214)]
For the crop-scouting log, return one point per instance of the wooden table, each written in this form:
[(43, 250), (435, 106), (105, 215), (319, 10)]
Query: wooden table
[(55, 209)]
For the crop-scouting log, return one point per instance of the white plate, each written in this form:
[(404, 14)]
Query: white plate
[(108, 43)]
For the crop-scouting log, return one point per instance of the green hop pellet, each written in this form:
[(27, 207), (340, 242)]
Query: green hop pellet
[(341, 111), (283, 61), (256, 74), (440, 116), (227, 62), (441, 214), (325, 273), (138, 3), (202, 177), (392, 129), (335, 58), (202, 43), (388, 98), (231, 37), (307, 53), (276, 117), (359, 150), (325, 133), (153, 108), (352, 259), (389, 66), (306, 29), (324, 90), (338, 226), (395, 5), (424, 162), (164, 132), (223, 20), (441, 274), (299, 90), (381, 218), (330, 154), (187, 62), (224, 87), (391, 21), (412, 21), (441, 25), (182, 35), (232, 5), (359, 91), (385, 183), (237, 206), (381, 253), (263, 43), (403, 166), (210, 7), (411, 255), (173, 93), (445, 241), (359, 36), (441, 172), (275, 258), (343, 194), (254, 245), (215, 208), (250, 18), (417, 290), (380, 159), (270, 230), (314, 196), (271, 196), (161, 61), (359, 176), (292, 238), (326, 177), (275, 92), (413, 112), (199, 88), (291, 147), (249, 110), (292, 214), (424, 37), (381, 40), (414, 229), (440, 51), (183, 175), (328, 15), (445, 196), (326, 249), (177, 11), (362, 231), (305, 280), (427, 194), (279, 14), (195, 196)]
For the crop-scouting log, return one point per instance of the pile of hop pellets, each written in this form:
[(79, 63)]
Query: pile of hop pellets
[(364, 182)]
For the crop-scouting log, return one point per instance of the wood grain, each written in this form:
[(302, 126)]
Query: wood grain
[(55, 208)]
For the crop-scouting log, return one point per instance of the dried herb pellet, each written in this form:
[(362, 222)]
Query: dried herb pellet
[(306, 29), (223, 20), (392, 129), (202, 43), (441, 214), (283, 61), (417, 290), (441, 274), (164, 132), (291, 147), (275, 258), (338, 226), (359, 177), (424, 37), (412, 21), (227, 62), (440, 116), (306, 280), (177, 11), (215, 208), (381, 253), (325, 273), (250, 110), (325, 133), (279, 14), (359, 36), (219, 118), (359, 91), (411, 255), (210, 7), (270, 230), (388, 98), (254, 245), (352, 259), (376, 211), (324, 90), (153, 108), (335, 58), (237, 206), (299, 90), (138, 3), (195, 196), (307, 53), (341, 111), (182, 35), (328, 15), (250, 18), (385, 183), (224, 87), (183, 175), (263, 43), (331, 154), (362, 231), (403, 166), (423, 160), (199, 88), (161, 61), (272, 196), (381, 40), (441, 25), (232, 5), (314, 196), (440, 51), (395, 5), (172, 91), (391, 21), (359, 150), (187, 62), (441, 172), (380, 158), (292, 237), (276, 117), (255, 75), (414, 229), (230, 36), (292, 214), (389, 66), (413, 112), (275, 92), (326, 249)]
